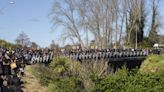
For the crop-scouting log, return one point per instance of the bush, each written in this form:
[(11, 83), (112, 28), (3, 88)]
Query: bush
[(61, 75), (124, 81), (65, 75)]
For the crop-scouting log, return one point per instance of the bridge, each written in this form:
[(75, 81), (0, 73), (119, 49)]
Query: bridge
[(116, 59)]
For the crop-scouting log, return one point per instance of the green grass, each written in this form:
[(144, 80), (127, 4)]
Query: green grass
[(153, 63)]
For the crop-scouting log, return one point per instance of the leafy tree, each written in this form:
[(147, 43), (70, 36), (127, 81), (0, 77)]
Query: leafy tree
[(8, 45)]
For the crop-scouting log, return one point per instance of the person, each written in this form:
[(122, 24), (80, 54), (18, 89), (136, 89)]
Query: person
[(33, 59), (6, 67), (1, 65), (1, 83), (47, 58), (5, 87), (41, 58), (21, 71), (44, 58), (8, 79), (16, 84), (13, 66), (51, 55)]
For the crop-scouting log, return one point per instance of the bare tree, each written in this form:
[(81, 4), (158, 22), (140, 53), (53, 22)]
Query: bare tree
[(98, 15), (136, 21), (23, 40), (64, 14), (155, 24), (34, 45), (106, 20), (53, 45), (123, 19), (83, 16)]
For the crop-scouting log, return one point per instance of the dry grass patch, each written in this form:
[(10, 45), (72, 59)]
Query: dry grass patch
[(31, 82)]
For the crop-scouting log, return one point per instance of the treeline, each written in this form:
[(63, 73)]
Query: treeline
[(111, 23), (65, 75), (8, 45), (23, 41)]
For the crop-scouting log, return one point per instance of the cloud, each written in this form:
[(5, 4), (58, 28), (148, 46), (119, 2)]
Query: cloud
[(12, 2)]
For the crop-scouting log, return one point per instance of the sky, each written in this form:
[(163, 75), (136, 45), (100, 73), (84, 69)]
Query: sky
[(31, 17)]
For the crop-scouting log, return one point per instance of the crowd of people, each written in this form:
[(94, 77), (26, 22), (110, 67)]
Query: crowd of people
[(13, 62), (108, 53)]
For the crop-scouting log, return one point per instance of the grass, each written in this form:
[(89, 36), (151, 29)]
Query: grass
[(32, 83), (153, 63)]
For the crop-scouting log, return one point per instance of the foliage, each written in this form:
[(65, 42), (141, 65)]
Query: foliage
[(144, 44), (61, 76), (124, 81), (136, 23), (153, 63), (8, 45), (65, 75)]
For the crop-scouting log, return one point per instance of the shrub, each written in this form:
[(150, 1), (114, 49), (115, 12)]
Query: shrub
[(65, 75), (62, 75), (124, 81)]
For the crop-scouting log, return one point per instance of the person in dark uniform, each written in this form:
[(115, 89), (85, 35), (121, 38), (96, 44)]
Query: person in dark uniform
[(1, 63), (16, 84), (5, 87), (1, 83), (6, 65)]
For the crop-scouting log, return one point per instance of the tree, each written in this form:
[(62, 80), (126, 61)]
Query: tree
[(23, 40), (34, 45), (161, 37), (64, 14), (53, 45), (136, 23), (8, 45), (153, 34), (105, 20)]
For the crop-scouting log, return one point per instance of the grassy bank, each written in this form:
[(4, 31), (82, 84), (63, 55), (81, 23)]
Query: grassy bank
[(153, 63), (65, 75)]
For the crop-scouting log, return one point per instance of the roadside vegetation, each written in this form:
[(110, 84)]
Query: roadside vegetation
[(153, 63), (65, 75), (8, 45)]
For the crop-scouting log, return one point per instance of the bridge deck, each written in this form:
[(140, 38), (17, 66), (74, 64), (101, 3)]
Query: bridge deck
[(121, 59)]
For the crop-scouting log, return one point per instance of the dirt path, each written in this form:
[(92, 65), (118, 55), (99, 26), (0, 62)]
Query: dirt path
[(31, 83)]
